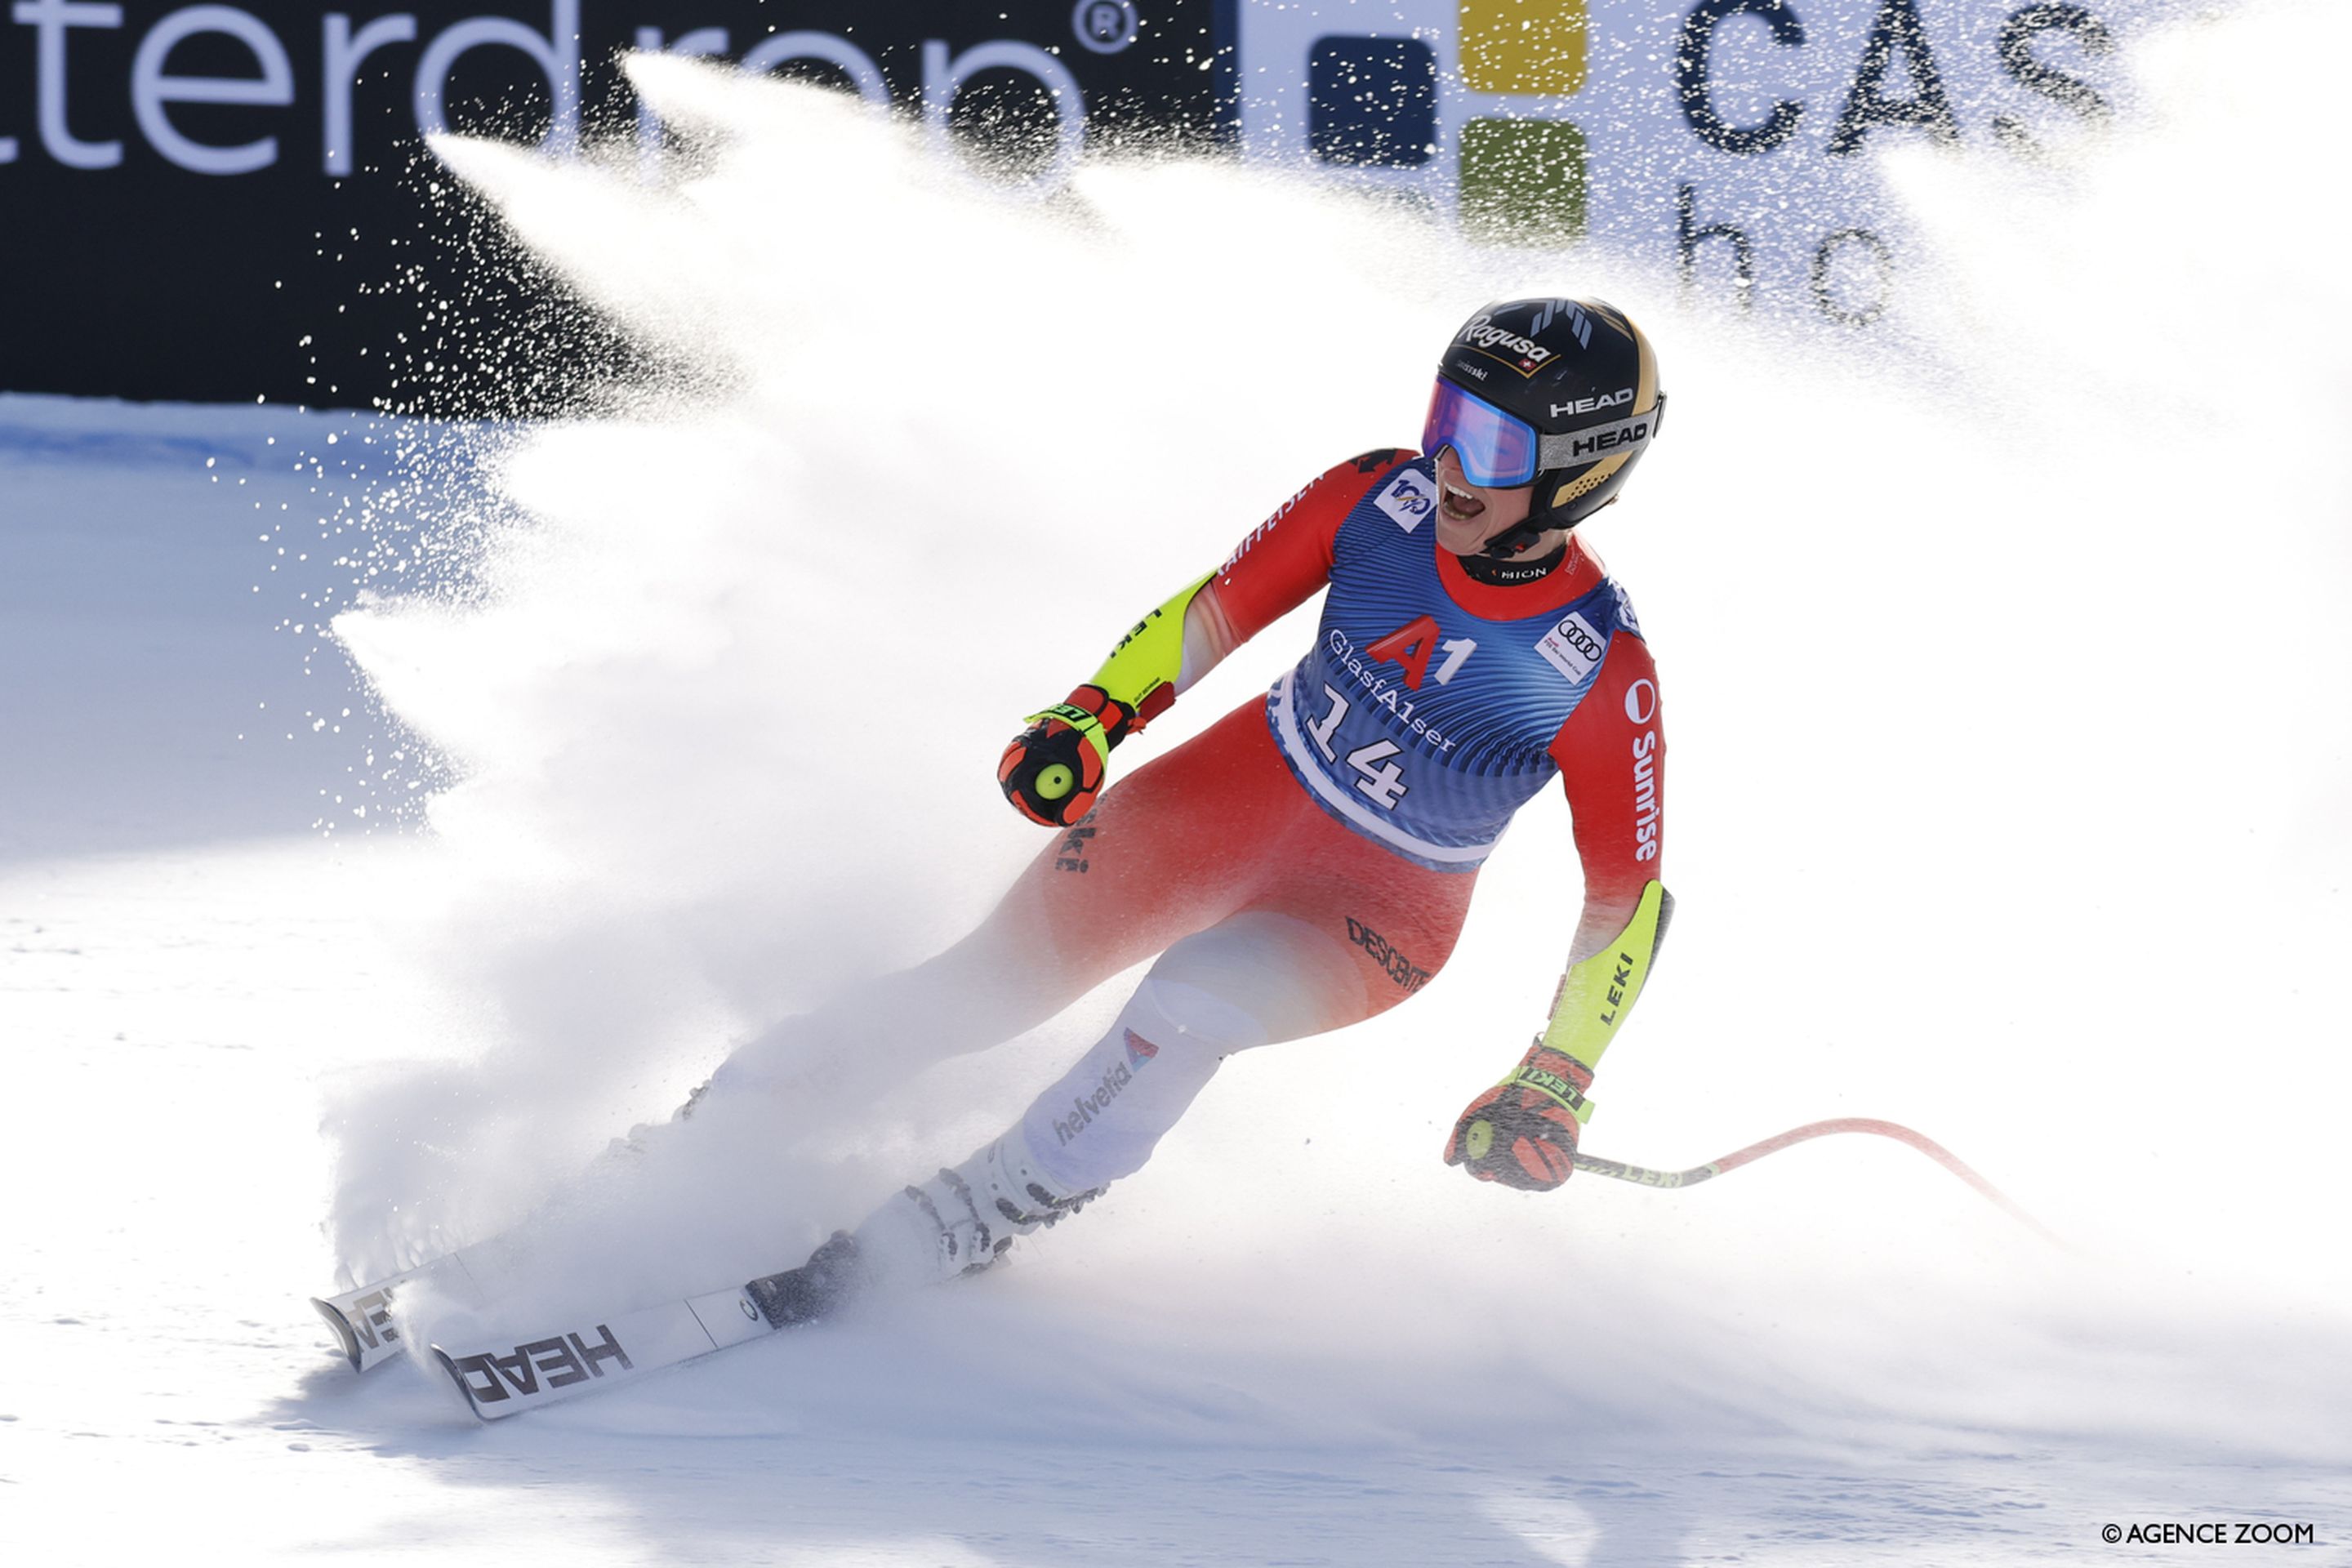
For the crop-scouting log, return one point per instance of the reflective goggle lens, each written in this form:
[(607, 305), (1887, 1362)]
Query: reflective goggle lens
[(1495, 451)]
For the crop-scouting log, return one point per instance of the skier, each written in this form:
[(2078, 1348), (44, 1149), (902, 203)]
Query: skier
[(1307, 862)]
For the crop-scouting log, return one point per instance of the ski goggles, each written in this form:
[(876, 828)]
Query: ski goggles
[(1499, 451)]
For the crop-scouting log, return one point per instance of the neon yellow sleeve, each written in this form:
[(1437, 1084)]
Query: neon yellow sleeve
[(1151, 657), (1595, 996)]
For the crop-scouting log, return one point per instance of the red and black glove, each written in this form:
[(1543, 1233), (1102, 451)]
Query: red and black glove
[(1054, 769), (1522, 1133)]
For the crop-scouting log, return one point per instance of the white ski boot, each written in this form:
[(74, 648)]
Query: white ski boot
[(963, 1219)]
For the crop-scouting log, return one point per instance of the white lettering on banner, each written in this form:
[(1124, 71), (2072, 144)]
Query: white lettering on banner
[(1408, 498), (1574, 647), (151, 89), (557, 54), (51, 20), (344, 52), (1105, 27), (346, 47), (834, 51), (944, 79), (1751, 174)]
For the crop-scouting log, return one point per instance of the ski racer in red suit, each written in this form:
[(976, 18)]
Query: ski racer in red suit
[(1307, 862)]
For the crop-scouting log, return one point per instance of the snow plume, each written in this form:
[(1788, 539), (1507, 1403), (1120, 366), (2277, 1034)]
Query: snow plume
[(2004, 799)]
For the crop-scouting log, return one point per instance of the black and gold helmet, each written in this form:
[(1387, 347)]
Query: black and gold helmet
[(1559, 394)]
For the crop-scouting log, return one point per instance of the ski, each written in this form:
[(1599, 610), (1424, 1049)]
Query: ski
[(595, 1353), (602, 1350), (361, 1318)]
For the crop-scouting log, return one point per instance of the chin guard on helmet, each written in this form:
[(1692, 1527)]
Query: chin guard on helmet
[(1512, 543)]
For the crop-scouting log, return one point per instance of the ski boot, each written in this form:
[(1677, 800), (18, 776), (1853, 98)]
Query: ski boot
[(962, 1220), (959, 1222)]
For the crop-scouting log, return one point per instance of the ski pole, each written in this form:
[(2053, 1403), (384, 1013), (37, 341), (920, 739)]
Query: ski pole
[(1642, 1175)]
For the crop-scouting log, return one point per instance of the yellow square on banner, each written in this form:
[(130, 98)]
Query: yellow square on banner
[(1534, 46)]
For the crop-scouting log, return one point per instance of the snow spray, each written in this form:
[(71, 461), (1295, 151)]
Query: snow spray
[(2003, 798)]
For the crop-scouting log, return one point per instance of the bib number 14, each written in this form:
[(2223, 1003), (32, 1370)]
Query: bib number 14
[(1383, 781)]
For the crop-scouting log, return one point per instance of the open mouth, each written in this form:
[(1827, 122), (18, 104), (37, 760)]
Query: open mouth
[(1458, 503)]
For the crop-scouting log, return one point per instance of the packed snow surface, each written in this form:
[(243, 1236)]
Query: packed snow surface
[(396, 813)]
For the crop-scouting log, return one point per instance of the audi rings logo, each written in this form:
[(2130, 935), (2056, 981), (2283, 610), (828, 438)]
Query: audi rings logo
[(1641, 702)]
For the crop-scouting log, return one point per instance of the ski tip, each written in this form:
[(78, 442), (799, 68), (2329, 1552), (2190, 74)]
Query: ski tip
[(344, 1334), (458, 1378)]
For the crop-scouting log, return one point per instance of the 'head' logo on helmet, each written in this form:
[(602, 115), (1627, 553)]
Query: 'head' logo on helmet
[(1584, 382)]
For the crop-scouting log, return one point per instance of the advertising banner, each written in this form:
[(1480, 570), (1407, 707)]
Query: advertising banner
[(232, 200), (1731, 138)]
